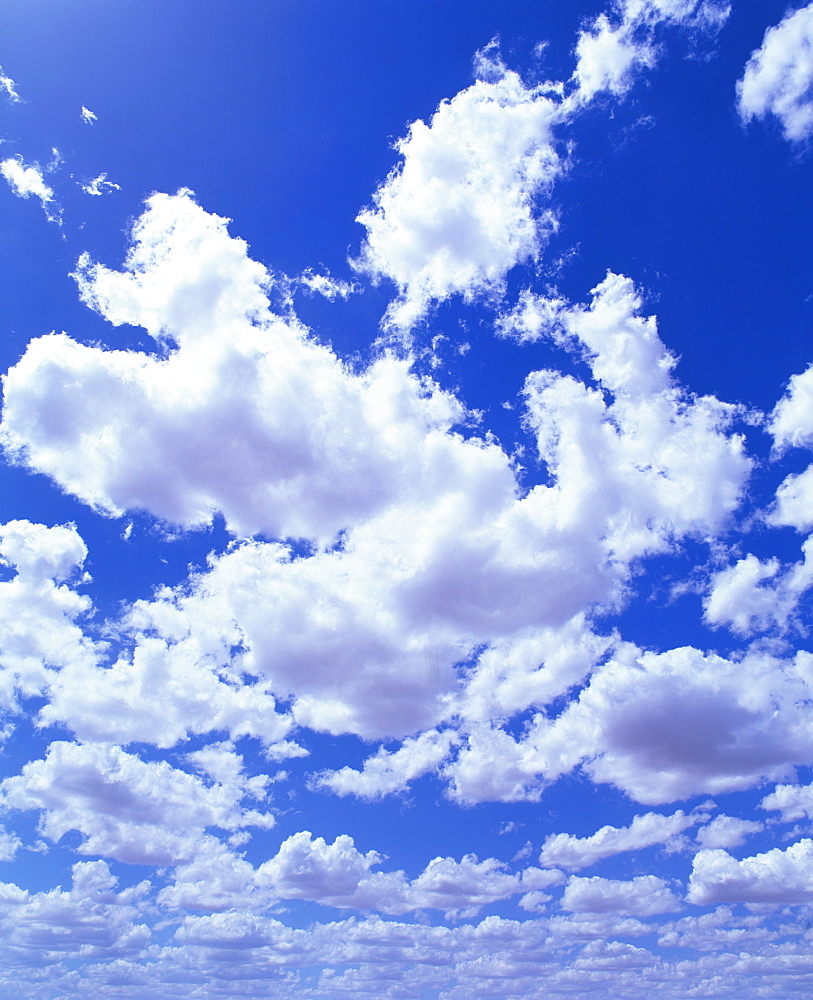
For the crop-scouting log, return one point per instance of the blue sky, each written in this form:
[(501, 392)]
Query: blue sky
[(405, 501)]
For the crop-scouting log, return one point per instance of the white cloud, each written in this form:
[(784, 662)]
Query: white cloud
[(755, 595), (26, 180), (460, 209), (566, 851), (791, 801), (794, 501), (643, 896), (40, 612), (8, 85), (135, 811), (252, 417), (791, 423), (87, 116), (100, 185), (777, 876), (616, 46), (778, 78), (391, 771), (727, 831), (659, 726), (91, 920), (323, 284), (719, 929), (337, 874), (791, 426)]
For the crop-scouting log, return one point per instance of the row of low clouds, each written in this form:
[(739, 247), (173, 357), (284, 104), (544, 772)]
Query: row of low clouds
[(112, 928)]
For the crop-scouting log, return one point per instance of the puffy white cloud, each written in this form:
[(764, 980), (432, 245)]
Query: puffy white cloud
[(794, 501), (91, 921), (306, 867), (778, 78), (26, 180), (777, 876), (791, 801), (88, 116), (791, 423), (40, 612), (338, 874), (791, 426), (440, 557), (165, 690), (616, 46), (681, 723), (753, 595), (460, 209), (252, 418), (715, 930), (566, 851), (530, 669), (135, 811), (391, 771), (659, 726), (643, 896), (727, 831)]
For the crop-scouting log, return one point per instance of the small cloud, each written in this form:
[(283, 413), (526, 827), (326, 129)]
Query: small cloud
[(26, 180), (7, 84), (323, 284), (100, 185), (87, 116)]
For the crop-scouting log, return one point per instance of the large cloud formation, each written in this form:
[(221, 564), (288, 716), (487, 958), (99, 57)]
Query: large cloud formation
[(394, 577)]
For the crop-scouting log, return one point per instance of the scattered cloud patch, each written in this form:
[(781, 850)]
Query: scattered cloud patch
[(778, 78), (461, 209), (100, 185), (26, 180), (8, 85), (777, 876)]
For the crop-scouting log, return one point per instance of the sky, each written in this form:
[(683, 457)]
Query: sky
[(406, 500)]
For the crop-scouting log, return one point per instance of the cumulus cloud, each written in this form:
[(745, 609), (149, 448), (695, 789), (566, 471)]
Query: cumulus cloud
[(391, 771), (437, 538), (643, 896), (125, 808), (294, 443), (41, 613), (791, 801), (791, 426), (91, 919), (616, 46), (791, 423), (755, 595), (460, 209), (87, 116), (563, 850), (778, 78), (777, 876), (727, 831), (337, 874), (659, 726)]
